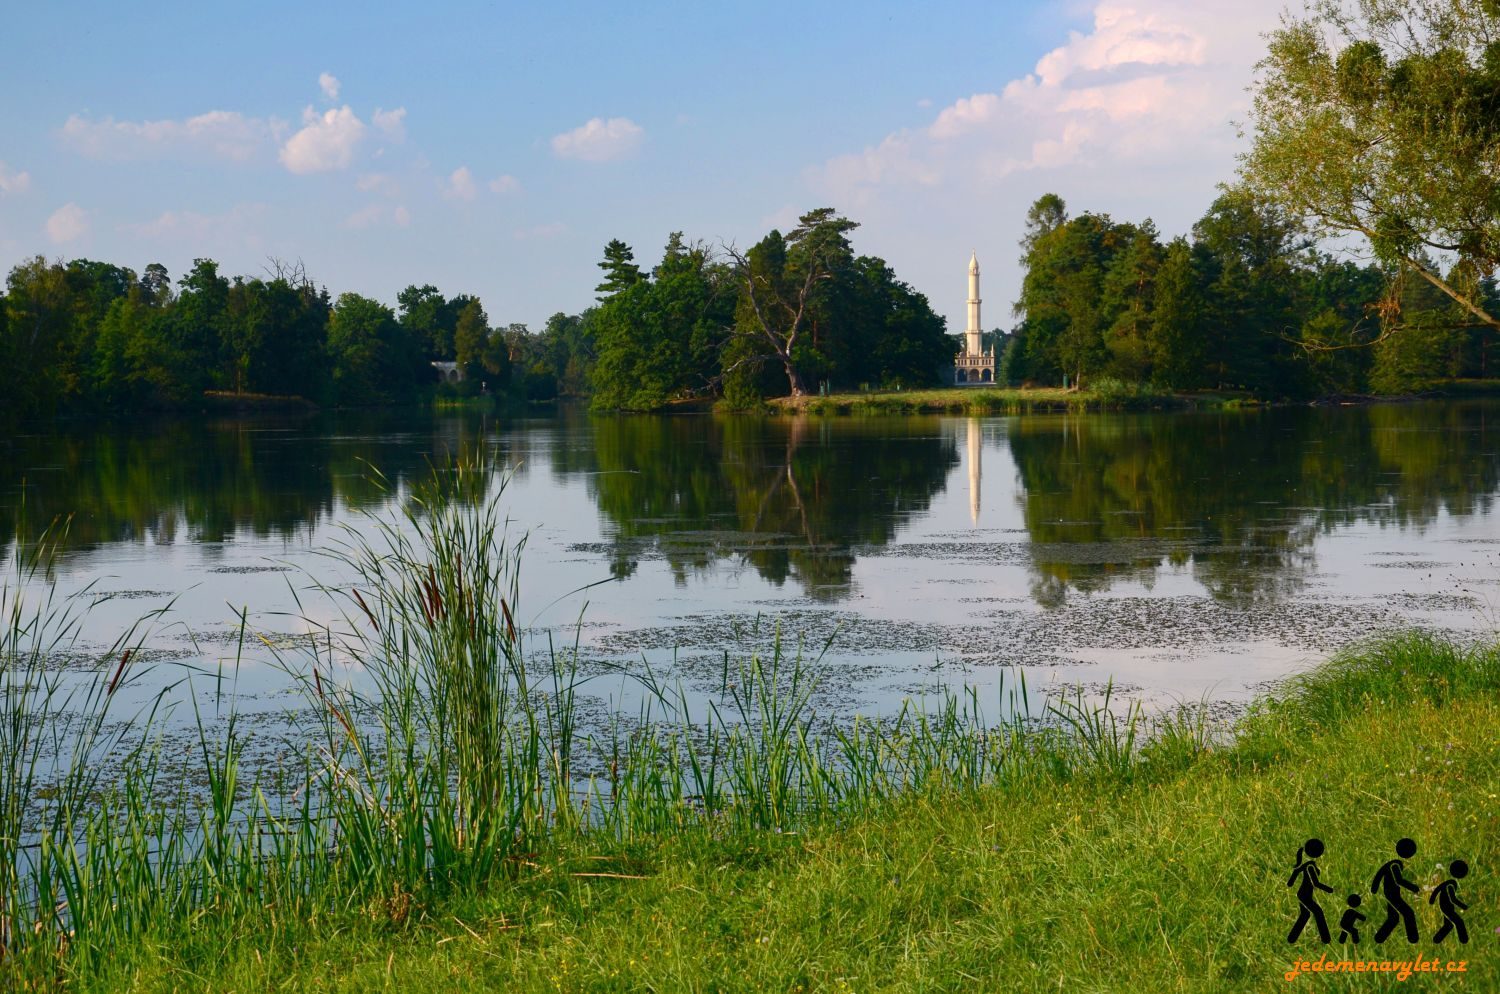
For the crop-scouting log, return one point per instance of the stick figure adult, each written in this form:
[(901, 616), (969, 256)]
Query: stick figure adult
[(1389, 882), (1307, 872)]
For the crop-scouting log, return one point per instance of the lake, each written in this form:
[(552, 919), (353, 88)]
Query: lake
[(1176, 556)]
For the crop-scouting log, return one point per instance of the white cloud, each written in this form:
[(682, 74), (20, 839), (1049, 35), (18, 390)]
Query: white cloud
[(382, 183), (391, 123), (196, 229), (783, 219), (1133, 114), (505, 184), (460, 185), (68, 223), (1125, 36), (366, 216), (965, 115), (326, 142), (897, 159), (223, 134), (13, 182), (599, 140), (329, 84), (551, 230), (376, 215), (1153, 80)]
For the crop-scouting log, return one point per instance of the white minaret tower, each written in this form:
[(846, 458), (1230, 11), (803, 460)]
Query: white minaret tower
[(972, 332)]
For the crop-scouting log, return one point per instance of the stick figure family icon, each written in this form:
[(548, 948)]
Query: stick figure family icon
[(1390, 884)]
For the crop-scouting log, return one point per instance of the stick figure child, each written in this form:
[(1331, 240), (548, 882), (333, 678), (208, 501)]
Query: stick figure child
[(1307, 872), (1349, 924), (1448, 903)]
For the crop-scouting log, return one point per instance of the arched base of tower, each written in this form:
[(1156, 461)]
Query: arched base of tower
[(974, 371)]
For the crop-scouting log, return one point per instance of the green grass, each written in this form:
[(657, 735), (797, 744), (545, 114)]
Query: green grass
[(449, 828), (1468, 388), (1099, 396), (1170, 878), (230, 401)]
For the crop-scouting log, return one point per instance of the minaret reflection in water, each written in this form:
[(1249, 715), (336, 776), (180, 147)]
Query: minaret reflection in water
[(974, 456)]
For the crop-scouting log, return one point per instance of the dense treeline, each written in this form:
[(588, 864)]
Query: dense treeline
[(796, 313), (86, 336), (797, 310), (1248, 302)]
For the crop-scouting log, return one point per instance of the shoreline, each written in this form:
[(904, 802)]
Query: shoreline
[(1056, 400)]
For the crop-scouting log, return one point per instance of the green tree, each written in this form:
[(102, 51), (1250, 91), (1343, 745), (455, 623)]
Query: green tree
[(891, 336), (1380, 118), (1430, 346), (1048, 213), (496, 358), (194, 334), (780, 280), (92, 288), (658, 339), (39, 303), (566, 353), (375, 359), (243, 329), (117, 382), (1062, 304), (626, 376), (1256, 257), (156, 284), (1341, 318), (620, 270), (471, 339), (1179, 314), (430, 319), (1129, 288), (693, 298)]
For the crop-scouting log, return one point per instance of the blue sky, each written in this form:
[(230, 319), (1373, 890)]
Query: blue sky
[(494, 148)]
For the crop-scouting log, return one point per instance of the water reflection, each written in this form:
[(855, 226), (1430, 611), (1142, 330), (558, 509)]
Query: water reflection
[(974, 451), (211, 481), (791, 498), (1238, 500)]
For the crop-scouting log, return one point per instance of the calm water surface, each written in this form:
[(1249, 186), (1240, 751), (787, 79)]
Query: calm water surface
[(1180, 556)]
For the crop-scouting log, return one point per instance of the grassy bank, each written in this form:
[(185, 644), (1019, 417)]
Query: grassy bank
[(1170, 877), (447, 825), (1108, 396), (246, 403)]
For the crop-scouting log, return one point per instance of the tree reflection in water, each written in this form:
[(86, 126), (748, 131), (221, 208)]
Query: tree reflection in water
[(1239, 497), (789, 497)]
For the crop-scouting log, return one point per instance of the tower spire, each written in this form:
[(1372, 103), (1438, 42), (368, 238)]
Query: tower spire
[(972, 334)]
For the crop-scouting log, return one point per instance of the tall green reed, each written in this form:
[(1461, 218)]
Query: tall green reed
[(446, 755), (57, 747)]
